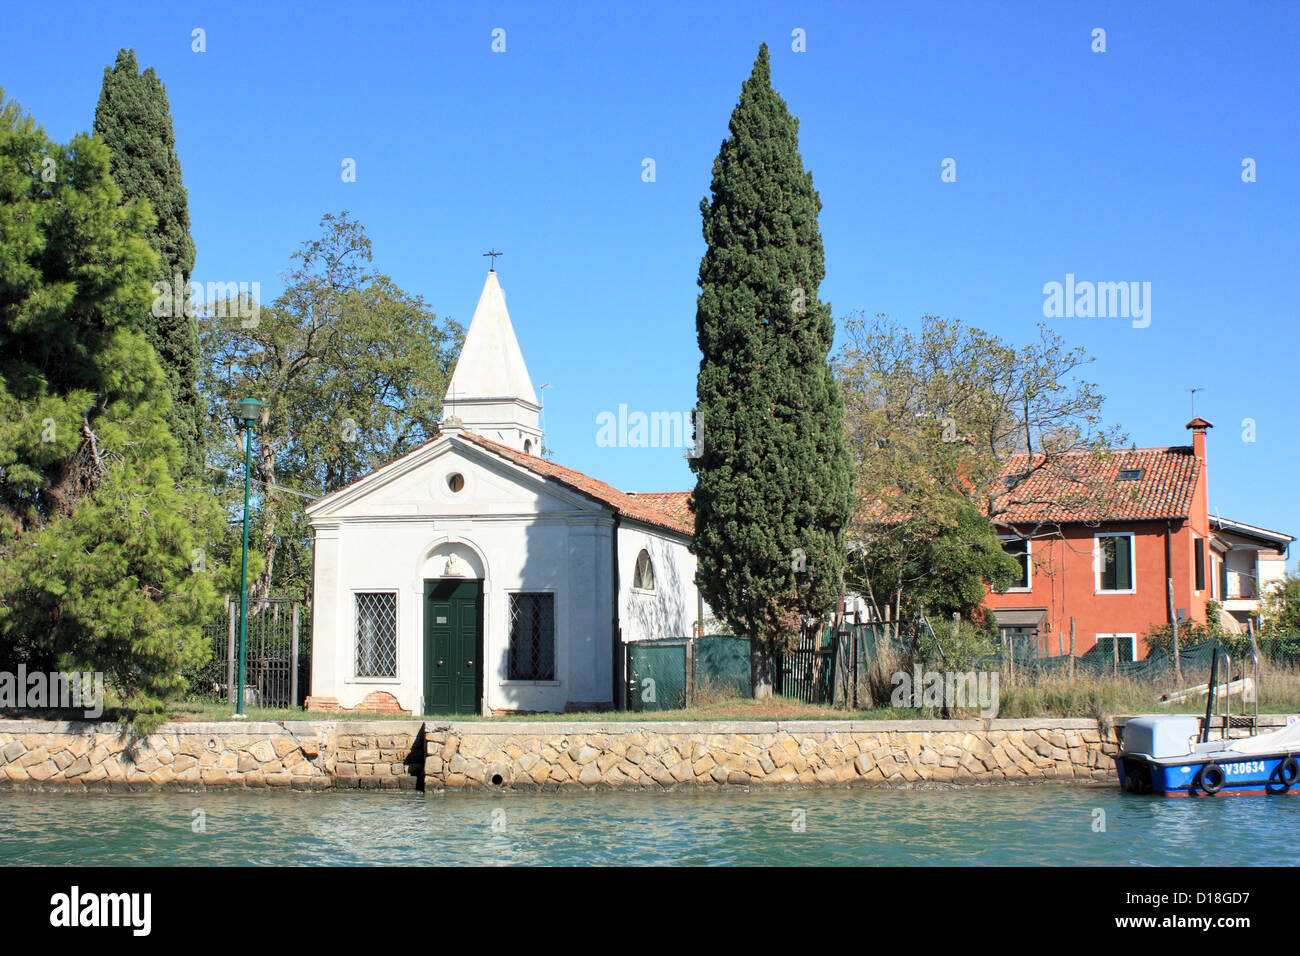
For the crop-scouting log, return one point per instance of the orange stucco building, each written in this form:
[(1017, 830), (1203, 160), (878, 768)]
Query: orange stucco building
[(1137, 549)]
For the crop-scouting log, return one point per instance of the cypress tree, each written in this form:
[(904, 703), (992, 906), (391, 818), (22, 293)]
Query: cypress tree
[(773, 478), (134, 120)]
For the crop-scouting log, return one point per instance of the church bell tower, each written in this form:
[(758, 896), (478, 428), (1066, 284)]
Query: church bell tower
[(490, 392)]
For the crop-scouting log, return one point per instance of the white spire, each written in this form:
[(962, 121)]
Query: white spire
[(490, 391)]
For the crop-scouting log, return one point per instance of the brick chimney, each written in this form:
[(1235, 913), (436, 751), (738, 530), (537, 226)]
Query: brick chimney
[(1198, 427)]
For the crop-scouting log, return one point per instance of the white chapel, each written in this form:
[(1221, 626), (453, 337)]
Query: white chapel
[(474, 576)]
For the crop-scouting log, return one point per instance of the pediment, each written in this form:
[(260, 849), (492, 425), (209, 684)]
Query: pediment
[(450, 477)]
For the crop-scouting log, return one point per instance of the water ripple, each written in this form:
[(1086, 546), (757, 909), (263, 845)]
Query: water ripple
[(1050, 825)]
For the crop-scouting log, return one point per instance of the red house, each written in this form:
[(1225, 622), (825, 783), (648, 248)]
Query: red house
[(1109, 565)]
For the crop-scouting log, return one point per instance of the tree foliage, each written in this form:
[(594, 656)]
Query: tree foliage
[(952, 423), (959, 405), (352, 371), (1280, 608), (934, 563), (134, 120), (773, 482), (101, 556)]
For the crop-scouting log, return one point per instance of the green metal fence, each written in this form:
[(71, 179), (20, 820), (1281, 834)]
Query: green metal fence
[(721, 667), (676, 673), (837, 667), (656, 674)]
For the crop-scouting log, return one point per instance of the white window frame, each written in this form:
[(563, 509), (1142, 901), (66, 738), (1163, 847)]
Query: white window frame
[(1133, 643), (1029, 563), (1206, 551), (653, 577), (355, 678), (1097, 563)]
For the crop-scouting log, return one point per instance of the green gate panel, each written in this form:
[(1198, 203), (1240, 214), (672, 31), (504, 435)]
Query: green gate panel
[(656, 675)]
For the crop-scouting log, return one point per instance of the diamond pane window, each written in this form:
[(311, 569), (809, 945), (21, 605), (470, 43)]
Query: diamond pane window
[(532, 636), (376, 634)]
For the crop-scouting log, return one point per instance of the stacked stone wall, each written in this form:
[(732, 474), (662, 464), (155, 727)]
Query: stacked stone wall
[(414, 754)]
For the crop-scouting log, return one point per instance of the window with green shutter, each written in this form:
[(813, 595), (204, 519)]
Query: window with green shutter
[(1115, 558), (1200, 564), (1223, 580)]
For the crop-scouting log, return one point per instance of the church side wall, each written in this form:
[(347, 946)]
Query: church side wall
[(670, 609)]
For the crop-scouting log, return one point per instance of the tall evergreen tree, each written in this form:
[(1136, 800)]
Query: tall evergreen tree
[(102, 557), (134, 119), (773, 480)]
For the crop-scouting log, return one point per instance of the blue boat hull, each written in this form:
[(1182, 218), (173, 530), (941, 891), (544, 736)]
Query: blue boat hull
[(1254, 775)]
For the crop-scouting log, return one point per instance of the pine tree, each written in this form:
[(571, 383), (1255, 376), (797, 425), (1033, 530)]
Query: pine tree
[(773, 480), (102, 557), (134, 120)]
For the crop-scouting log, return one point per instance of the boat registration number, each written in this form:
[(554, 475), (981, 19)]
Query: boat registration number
[(1238, 769)]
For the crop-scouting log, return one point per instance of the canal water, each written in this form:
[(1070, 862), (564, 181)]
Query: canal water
[(1033, 825)]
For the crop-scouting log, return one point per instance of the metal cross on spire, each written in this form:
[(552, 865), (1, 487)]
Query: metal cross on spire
[(493, 253)]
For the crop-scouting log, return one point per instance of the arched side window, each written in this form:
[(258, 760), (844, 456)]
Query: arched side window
[(644, 576)]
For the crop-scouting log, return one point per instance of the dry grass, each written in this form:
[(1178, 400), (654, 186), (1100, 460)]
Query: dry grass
[(1101, 696)]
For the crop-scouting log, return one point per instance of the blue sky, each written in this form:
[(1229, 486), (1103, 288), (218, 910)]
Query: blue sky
[(1115, 166)]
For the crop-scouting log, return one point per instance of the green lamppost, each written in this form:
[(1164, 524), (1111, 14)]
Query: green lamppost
[(249, 411)]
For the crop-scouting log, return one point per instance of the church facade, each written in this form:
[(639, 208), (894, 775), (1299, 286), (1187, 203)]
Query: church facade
[(474, 576)]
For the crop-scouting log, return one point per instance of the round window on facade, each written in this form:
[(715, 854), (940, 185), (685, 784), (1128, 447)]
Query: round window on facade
[(455, 481)]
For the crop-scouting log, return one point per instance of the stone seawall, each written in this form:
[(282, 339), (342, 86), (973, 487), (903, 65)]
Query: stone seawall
[(415, 754), (297, 754), (777, 753)]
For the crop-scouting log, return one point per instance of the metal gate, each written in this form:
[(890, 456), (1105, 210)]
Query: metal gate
[(807, 673), (276, 664), (657, 674)]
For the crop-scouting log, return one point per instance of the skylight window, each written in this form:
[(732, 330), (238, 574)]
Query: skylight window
[(1130, 474)]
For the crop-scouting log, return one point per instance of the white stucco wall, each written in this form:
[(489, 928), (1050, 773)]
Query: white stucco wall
[(671, 609), (512, 529)]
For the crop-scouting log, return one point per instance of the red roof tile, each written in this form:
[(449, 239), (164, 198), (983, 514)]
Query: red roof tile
[(627, 505), (675, 504), (1084, 487)]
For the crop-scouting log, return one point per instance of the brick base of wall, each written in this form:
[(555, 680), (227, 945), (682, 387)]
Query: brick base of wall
[(376, 702)]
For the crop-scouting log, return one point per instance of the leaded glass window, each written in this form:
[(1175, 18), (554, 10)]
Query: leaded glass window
[(376, 615), (532, 636)]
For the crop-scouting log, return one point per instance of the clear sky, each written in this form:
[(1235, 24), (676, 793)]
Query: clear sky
[(1117, 166)]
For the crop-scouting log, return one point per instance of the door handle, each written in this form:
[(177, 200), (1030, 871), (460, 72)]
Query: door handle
[(469, 663), (439, 663)]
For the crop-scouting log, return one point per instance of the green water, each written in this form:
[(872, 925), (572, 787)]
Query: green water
[(980, 825)]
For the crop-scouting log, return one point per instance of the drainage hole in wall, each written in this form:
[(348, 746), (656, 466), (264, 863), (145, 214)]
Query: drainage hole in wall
[(496, 780)]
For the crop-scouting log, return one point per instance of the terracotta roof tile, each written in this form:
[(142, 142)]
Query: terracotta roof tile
[(675, 504), (637, 507), (1090, 488)]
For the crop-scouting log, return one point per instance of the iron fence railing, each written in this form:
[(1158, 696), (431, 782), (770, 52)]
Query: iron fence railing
[(277, 661)]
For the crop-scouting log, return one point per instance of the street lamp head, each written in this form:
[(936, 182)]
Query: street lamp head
[(249, 410)]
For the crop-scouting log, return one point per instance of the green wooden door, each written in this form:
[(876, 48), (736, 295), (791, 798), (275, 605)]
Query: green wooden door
[(453, 645)]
